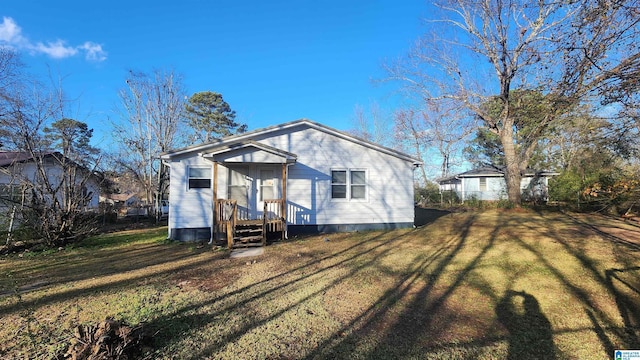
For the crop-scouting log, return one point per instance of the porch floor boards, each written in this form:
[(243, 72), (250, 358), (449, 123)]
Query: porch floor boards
[(249, 222)]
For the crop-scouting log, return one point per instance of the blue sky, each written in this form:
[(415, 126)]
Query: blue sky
[(273, 61)]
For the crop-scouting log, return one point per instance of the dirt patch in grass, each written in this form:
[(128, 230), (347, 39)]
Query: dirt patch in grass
[(486, 285)]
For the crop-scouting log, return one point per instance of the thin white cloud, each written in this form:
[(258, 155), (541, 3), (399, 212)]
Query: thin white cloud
[(56, 50), (94, 51), (11, 36)]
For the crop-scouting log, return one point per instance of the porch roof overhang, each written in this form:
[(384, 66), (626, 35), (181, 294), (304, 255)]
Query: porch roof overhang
[(250, 152)]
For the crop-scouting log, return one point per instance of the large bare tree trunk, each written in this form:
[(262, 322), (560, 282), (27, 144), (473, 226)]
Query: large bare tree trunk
[(512, 175)]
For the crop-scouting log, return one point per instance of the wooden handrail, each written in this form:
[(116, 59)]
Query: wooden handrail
[(273, 209), (274, 216), (227, 218)]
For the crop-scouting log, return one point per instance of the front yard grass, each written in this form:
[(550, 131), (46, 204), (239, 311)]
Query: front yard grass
[(475, 285)]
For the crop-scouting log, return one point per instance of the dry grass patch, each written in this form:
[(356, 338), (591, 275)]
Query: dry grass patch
[(492, 284)]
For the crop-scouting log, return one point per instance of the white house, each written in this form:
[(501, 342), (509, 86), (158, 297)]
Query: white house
[(18, 173), (488, 183), (295, 177)]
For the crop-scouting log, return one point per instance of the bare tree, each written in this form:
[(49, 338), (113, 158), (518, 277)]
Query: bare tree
[(448, 131), (54, 188), (411, 135), (153, 110), (10, 75), (372, 126), (495, 47), (436, 134)]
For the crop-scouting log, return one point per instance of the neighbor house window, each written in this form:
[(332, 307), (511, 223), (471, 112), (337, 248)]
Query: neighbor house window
[(349, 184), (199, 177), (483, 184), (10, 194)]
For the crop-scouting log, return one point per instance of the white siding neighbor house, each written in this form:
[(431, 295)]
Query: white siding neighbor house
[(18, 173), (487, 183), (296, 177)]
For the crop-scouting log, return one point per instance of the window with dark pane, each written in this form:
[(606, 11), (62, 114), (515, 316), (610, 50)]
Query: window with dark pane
[(339, 184), (199, 178), (358, 184)]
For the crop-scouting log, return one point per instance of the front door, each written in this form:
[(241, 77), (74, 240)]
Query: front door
[(238, 190), (266, 188)]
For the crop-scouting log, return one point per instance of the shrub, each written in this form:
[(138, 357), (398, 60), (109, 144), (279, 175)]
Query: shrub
[(429, 194)]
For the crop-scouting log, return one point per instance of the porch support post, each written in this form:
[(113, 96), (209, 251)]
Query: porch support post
[(284, 199), (214, 201)]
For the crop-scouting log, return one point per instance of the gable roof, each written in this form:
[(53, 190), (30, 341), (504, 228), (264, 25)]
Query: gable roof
[(493, 171), (482, 171), (11, 157), (248, 136), (120, 197), (246, 151)]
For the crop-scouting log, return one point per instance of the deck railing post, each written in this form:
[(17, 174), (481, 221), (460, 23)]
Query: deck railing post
[(214, 226), (283, 206), (264, 223)]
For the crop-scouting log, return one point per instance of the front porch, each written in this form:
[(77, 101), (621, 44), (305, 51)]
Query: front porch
[(251, 203), (241, 231)]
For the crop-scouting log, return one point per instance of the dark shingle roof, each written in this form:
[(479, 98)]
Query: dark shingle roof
[(12, 157)]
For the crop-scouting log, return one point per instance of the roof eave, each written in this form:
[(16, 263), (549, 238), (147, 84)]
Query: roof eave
[(246, 136)]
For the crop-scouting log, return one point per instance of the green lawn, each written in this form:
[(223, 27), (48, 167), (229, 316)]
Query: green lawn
[(487, 285)]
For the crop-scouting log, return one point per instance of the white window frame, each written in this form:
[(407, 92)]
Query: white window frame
[(348, 184), (480, 187), (210, 177), (10, 194)]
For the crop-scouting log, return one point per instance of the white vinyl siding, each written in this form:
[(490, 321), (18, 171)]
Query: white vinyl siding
[(387, 187), (190, 208)]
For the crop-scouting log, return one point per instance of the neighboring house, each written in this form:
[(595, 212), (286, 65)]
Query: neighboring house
[(296, 177), (122, 200), (125, 204), (18, 172), (488, 183)]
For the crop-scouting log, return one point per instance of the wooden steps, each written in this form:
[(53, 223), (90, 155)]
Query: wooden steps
[(248, 233)]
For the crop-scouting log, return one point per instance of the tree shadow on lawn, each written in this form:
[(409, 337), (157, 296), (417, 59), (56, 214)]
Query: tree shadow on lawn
[(122, 267), (625, 285), (577, 245), (616, 233), (407, 319), (405, 336), (185, 320), (411, 333), (94, 257), (401, 338)]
